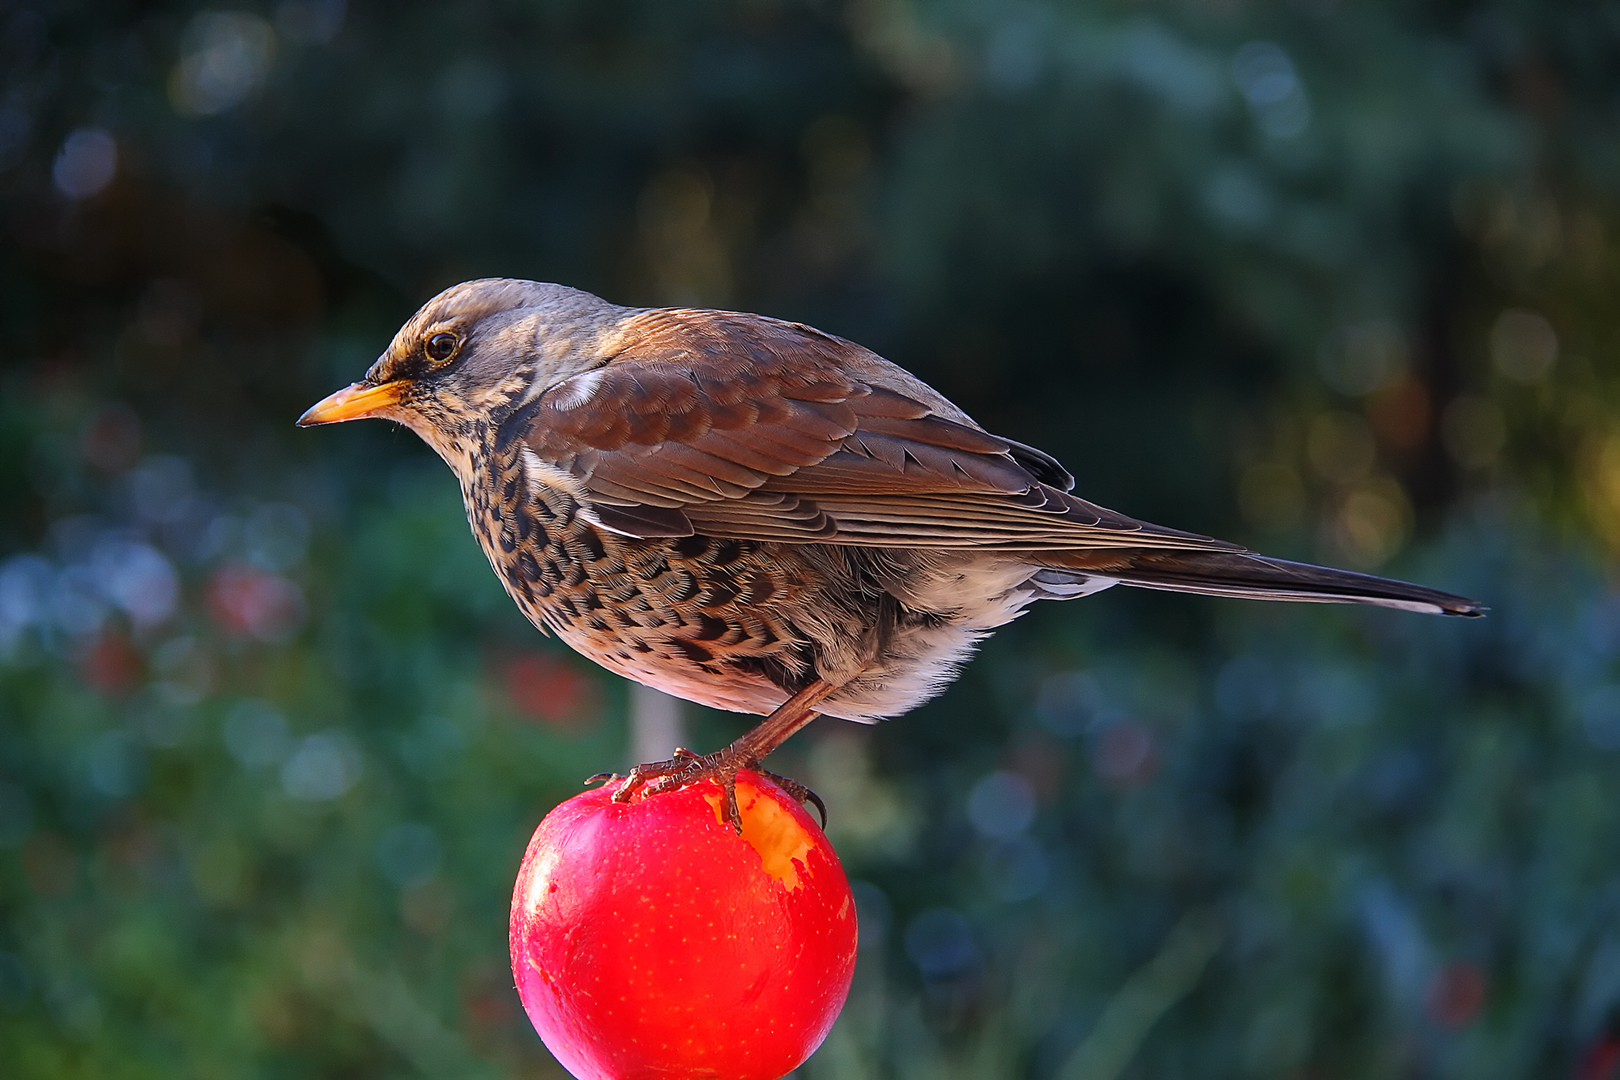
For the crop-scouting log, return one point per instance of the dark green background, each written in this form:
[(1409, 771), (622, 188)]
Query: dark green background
[(1333, 278)]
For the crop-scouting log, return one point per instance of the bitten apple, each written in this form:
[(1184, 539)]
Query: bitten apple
[(649, 939)]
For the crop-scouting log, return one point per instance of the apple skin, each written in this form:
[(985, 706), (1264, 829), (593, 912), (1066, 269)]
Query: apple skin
[(649, 940)]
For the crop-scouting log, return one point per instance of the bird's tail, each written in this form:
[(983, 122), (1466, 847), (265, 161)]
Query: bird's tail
[(1245, 575)]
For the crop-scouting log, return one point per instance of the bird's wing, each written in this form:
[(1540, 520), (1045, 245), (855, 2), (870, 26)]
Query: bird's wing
[(738, 425)]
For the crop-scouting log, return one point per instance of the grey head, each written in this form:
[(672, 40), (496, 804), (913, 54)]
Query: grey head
[(472, 354)]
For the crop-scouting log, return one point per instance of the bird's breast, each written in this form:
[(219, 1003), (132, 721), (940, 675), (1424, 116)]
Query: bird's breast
[(706, 618)]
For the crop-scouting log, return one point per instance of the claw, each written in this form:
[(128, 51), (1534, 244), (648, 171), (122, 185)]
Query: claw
[(659, 776), (600, 778), (797, 792), (728, 780), (685, 767)]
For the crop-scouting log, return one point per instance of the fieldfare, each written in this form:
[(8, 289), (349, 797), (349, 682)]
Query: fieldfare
[(761, 517)]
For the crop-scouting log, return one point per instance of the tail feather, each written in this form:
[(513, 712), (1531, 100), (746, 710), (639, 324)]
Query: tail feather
[(1258, 577)]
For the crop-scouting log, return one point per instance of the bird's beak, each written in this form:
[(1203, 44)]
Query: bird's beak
[(354, 402)]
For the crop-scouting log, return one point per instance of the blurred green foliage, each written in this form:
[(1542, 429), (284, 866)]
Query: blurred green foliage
[(1333, 279)]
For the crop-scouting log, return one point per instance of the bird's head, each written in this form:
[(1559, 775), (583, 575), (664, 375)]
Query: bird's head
[(471, 355)]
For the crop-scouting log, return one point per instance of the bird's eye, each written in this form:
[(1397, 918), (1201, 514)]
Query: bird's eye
[(440, 347)]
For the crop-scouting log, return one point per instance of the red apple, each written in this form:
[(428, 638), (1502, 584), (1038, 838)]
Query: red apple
[(650, 940)]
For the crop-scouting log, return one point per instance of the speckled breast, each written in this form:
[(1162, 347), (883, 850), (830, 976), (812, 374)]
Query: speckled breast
[(703, 618)]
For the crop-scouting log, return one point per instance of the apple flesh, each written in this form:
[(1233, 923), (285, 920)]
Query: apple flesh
[(649, 939)]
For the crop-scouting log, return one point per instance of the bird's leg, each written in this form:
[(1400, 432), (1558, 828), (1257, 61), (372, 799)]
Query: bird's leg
[(685, 767)]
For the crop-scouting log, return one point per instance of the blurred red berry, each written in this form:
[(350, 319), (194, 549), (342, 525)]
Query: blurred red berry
[(110, 664), (255, 603), (551, 690), (1601, 1062), (649, 939), (112, 438), (1457, 995)]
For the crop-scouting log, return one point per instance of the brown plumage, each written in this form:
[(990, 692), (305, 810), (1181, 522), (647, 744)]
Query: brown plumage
[(757, 516)]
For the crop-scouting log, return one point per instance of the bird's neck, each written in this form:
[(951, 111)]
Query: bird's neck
[(461, 441)]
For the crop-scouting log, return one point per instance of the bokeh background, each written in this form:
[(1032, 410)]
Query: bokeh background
[(1333, 278)]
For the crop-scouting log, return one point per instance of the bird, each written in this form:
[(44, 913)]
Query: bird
[(761, 517)]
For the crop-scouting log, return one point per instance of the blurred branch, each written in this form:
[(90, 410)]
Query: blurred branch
[(656, 724), (1146, 996)]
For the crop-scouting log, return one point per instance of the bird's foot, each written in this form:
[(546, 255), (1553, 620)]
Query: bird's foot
[(684, 768), (797, 792)]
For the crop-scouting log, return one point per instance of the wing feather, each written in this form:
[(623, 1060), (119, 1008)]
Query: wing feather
[(740, 425)]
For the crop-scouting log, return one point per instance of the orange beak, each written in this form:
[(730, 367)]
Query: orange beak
[(355, 402)]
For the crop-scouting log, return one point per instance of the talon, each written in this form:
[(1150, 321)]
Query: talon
[(684, 767), (733, 812), (665, 786), (628, 788), (660, 776), (797, 792), (600, 778), (683, 770), (821, 807), (629, 784)]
